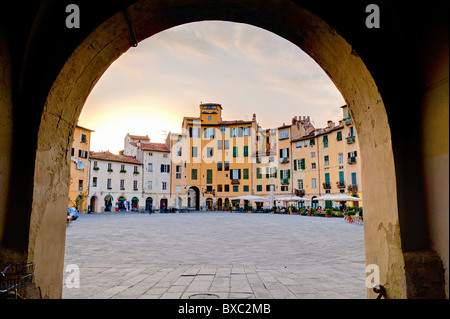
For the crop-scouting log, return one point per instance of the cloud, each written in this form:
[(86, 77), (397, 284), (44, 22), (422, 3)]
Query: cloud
[(246, 69)]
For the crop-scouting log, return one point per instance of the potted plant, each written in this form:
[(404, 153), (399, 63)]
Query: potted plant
[(328, 213), (249, 208), (274, 209), (294, 210)]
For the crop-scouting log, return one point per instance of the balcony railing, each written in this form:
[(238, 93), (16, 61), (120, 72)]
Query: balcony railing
[(340, 184), (284, 181), (350, 139), (326, 185), (300, 192), (234, 181), (284, 160), (348, 121), (353, 188), (351, 160)]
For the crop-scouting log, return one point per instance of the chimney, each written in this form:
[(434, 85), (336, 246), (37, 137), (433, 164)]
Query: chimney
[(330, 124), (294, 120)]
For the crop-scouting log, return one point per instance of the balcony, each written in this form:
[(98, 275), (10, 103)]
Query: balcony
[(353, 188), (350, 139), (348, 121), (351, 160), (326, 185), (300, 192), (284, 160), (340, 184), (234, 181), (284, 181)]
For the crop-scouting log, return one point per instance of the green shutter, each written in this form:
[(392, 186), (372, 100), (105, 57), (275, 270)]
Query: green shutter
[(245, 150), (194, 174), (245, 173), (275, 172), (209, 176), (289, 173), (235, 151), (341, 177), (267, 172), (295, 164), (327, 177)]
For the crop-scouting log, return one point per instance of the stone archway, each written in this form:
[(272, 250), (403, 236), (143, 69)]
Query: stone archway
[(313, 35)]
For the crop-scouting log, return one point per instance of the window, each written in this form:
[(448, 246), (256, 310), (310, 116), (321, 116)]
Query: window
[(194, 174), (135, 169), (300, 183), (80, 185), (95, 164), (73, 151), (341, 158), (326, 159), (226, 145), (227, 166), (247, 131), (94, 182), (194, 132), (311, 142), (83, 138), (271, 172), (284, 134), (219, 145), (235, 188), (284, 188), (209, 152), (235, 174), (178, 189), (108, 183), (165, 155), (298, 145), (339, 136), (219, 166), (135, 185), (284, 153), (209, 118), (179, 138), (259, 188), (109, 167), (313, 154), (194, 151), (209, 176), (165, 168), (219, 188), (122, 169), (235, 151), (258, 173), (150, 167), (245, 173), (82, 154), (313, 165), (149, 185), (209, 189), (178, 172), (223, 129), (245, 151), (122, 184), (352, 131), (246, 188), (164, 186), (341, 177), (258, 160), (227, 188), (313, 183), (209, 132), (325, 141), (179, 150), (271, 159), (327, 178), (150, 154), (354, 178)]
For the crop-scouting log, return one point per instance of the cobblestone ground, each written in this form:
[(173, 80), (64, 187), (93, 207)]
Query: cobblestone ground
[(214, 255)]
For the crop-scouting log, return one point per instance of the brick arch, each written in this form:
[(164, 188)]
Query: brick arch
[(114, 37)]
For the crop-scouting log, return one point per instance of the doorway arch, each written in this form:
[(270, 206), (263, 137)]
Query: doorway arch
[(285, 18), (194, 197), (94, 204)]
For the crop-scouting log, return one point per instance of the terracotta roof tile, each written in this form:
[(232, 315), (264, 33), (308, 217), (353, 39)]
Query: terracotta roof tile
[(108, 156), (157, 147)]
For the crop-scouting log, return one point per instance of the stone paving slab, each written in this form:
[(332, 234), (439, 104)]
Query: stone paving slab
[(215, 255)]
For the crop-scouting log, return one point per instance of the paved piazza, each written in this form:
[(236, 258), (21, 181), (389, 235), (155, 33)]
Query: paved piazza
[(214, 255)]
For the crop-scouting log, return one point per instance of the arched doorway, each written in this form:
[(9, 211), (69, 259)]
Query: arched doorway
[(314, 202), (194, 197), (122, 204), (314, 35), (94, 204), (148, 204), (209, 203), (135, 204), (219, 204), (108, 203), (163, 204)]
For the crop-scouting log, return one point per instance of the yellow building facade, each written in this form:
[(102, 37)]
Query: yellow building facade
[(214, 160), (79, 168)]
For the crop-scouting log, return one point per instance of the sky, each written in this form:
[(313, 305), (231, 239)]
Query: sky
[(151, 87)]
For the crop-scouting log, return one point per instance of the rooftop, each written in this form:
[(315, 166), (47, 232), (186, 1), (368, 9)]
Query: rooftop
[(108, 156)]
